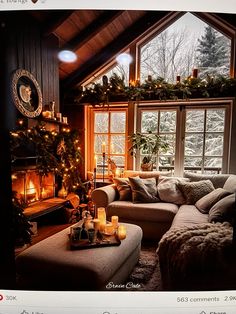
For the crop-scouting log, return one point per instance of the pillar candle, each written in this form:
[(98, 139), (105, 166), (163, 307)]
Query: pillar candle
[(114, 221), (195, 73), (121, 232), (103, 147), (109, 229), (101, 212)]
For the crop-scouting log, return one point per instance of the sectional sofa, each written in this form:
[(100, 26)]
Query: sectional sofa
[(169, 223)]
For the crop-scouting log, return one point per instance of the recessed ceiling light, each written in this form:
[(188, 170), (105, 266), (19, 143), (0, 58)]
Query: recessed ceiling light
[(124, 58), (67, 56)]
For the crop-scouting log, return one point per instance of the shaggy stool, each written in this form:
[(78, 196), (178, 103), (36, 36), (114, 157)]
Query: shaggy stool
[(200, 257), (52, 265)]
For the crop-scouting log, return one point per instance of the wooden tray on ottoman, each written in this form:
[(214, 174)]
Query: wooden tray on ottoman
[(102, 241)]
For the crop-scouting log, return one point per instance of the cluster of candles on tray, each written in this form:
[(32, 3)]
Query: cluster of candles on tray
[(109, 228)]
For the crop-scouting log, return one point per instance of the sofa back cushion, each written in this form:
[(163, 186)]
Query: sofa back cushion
[(193, 191), (145, 174), (143, 190), (124, 188), (230, 184), (205, 203), (168, 190), (218, 180), (224, 210)]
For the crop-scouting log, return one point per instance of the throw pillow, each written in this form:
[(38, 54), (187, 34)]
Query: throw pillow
[(168, 190), (123, 188), (193, 191), (206, 202), (143, 190), (230, 184), (224, 210)]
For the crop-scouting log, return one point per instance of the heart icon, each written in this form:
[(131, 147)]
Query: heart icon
[(34, 1)]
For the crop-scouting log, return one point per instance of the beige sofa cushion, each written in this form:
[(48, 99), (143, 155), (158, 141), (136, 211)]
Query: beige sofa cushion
[(168, 190), (206, 202), (188, 215), (230, 184), (193, 191), (143, 190), (153, 212), (218, 180)]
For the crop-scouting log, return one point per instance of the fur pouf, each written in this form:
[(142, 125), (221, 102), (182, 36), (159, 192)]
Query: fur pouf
[(197, 253)]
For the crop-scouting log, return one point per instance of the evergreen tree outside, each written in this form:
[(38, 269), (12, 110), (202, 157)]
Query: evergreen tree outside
[(213, 53)]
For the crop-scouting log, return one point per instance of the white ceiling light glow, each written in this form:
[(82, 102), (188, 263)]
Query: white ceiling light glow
[(124, 58), (67, 56)]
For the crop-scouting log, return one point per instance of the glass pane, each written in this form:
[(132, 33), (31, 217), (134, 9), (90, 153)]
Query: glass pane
[(118, 122), (170, 139), (194, 145), (119, 160), (186, 42), (98, 143), (192, 162), (214, 145), (149, 121), (118, 144), (166, 161), (194, 121), (100, 165), (101, 122), (215, 120), (167, 121), (213, 162)]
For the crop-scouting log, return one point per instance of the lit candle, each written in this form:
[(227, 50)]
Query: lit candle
[(118, 172), (96, 224), (62, 193), (44, 193), (102, 217), (103, 147), (95, 162), (121, 232), (47, 114), (109, 229), (114, 221)]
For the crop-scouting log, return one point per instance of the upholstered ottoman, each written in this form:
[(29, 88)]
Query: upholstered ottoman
[(52, 265)]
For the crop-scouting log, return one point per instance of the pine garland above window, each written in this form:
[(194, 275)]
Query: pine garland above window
[(153, 89)]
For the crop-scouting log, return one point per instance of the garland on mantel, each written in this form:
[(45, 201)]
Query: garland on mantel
[(114, 89), (57, 152)]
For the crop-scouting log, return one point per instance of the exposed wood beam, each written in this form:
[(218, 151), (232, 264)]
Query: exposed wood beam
[(92, 29), (118, 44), (56, 19)]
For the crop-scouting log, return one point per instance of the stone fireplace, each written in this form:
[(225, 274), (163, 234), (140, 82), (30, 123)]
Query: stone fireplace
[(32, 187)]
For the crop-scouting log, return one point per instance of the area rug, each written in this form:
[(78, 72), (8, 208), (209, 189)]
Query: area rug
[(146, 274)]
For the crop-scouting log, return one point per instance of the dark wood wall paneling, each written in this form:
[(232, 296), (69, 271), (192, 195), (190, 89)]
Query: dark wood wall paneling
[(35, 53)]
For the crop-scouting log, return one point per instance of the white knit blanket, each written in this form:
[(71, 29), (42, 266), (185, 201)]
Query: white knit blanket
[(200, 246)]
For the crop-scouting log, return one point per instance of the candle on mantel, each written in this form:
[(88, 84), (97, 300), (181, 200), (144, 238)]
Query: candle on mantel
[(101, 212), (114, 221), (121, 232), (44, 193)]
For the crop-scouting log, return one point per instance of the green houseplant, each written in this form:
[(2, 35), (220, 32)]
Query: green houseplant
[(148, 144)]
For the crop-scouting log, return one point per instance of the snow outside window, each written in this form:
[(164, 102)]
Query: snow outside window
[(109, 137)]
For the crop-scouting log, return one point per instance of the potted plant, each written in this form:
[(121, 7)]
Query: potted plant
[(150, 145)]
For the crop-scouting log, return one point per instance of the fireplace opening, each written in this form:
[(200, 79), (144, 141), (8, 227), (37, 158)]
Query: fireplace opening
[(31, 186)]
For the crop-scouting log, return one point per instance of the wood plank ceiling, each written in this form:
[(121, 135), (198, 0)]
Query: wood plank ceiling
[(96, 36)]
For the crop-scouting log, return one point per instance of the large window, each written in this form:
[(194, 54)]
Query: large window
[(110, 138), (198, 136), (186, 44), (163, 123), (204, 139)]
